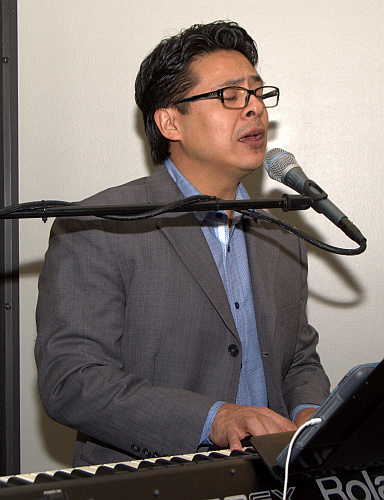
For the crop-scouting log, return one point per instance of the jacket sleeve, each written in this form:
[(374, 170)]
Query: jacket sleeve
[(83, 379)]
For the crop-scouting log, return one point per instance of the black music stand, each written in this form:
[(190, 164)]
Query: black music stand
[(351, 437)]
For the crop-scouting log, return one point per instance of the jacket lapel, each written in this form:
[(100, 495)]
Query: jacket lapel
[(186, 237)]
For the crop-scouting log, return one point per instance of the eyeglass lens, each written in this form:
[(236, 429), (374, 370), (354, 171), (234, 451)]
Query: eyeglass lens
[(234, 97)]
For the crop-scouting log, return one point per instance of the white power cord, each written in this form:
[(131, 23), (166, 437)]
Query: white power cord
[(312, 421)]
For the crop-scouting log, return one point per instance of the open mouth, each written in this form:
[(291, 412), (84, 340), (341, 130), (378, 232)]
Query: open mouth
[(253, 138)]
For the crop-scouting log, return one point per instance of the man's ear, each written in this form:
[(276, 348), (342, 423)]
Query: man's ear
[(165, 120)]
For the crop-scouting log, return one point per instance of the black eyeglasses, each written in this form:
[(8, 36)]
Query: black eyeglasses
[(238, 97)]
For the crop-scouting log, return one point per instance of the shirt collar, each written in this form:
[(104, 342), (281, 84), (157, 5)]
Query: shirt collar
[(189, 189)]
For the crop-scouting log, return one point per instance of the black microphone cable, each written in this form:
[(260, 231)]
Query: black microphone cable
[(304, 236)]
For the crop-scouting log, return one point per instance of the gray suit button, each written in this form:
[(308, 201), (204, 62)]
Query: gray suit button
[(233, 350), (146, 453), (136, 448)]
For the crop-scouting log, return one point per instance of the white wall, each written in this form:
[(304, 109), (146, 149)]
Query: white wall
[(80, 132)]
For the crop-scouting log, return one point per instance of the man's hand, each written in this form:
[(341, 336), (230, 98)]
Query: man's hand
[(235, 422), (302, 416)]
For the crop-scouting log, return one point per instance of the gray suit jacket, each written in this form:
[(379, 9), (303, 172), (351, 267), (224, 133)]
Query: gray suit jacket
[(134, 327)]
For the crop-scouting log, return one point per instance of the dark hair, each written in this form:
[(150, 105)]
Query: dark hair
[(164, 75)]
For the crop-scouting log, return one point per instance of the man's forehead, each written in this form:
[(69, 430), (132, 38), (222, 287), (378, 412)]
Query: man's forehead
[(224, 68), (256, 78)]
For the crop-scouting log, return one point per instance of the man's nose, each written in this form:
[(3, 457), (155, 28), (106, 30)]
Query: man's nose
[(255, 106)]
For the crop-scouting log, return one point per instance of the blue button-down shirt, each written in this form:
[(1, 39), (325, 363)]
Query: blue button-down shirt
[(228, 248)]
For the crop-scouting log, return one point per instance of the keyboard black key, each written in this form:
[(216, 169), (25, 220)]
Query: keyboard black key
[(103, 470), (200, 458), (81, 473), (124, 468), (60, 474), (42, 477), (18, 481)]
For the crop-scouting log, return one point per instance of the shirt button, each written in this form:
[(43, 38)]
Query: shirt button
[(237, 305), (233, 350)]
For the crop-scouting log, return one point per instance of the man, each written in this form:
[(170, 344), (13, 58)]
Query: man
[(160, 336)]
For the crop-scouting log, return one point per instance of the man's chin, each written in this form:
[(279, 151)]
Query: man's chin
[(249, 168)]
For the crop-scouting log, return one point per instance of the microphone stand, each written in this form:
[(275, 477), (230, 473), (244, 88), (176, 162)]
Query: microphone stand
[(44, 209)]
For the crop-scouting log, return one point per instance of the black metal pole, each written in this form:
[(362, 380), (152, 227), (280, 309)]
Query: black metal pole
[(9, 248), (45, 209)]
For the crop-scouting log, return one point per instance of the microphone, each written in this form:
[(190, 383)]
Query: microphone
[(283, 167)]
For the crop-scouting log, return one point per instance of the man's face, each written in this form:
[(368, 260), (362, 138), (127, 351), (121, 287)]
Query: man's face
[(216, 141)]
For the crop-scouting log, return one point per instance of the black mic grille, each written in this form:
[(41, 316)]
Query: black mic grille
[(276, 161)]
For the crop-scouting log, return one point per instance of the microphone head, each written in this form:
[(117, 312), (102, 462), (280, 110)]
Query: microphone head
[(276, 162)]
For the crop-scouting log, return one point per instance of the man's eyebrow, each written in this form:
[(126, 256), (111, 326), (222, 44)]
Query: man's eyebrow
[(238, 81)]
